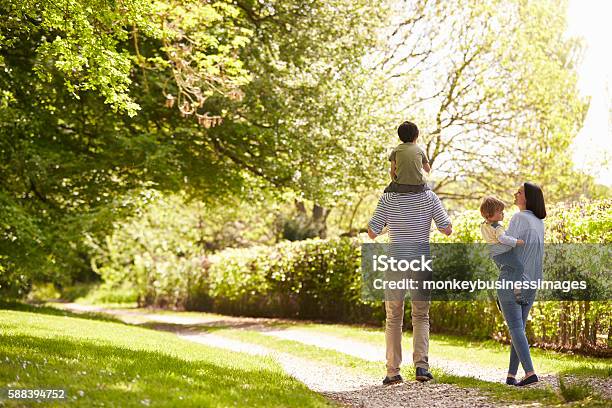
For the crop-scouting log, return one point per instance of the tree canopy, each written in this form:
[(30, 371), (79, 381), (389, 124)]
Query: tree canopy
[(101, 100)]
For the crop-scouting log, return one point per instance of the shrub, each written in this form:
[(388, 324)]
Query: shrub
[(312, 279)]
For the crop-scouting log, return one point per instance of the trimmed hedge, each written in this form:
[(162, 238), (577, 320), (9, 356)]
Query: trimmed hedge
[(312, 279)]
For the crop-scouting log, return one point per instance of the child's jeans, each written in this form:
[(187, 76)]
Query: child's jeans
[(511, 269), (394, 187)]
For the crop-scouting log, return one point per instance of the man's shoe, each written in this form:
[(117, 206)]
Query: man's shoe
[(510, 381), (393, 380), (423, 375), (528, 380)]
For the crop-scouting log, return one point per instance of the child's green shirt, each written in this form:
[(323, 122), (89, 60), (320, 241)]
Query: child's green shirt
[(409, 159)]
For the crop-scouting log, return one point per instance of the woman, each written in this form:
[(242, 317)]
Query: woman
[(528, 226)]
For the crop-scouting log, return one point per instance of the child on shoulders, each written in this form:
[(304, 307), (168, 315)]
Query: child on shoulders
[(408, 163)]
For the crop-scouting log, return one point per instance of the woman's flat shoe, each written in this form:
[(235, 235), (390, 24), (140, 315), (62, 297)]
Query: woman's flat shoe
[(510, 381), (527, 380)]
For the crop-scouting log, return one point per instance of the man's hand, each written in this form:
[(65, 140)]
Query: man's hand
[(371, 233), (446, 231), (520, 242)]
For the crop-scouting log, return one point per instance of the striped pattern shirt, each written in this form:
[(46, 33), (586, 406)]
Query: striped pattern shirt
[(409, 216)]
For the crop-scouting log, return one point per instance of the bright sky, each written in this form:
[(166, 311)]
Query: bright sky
[(593, 145)]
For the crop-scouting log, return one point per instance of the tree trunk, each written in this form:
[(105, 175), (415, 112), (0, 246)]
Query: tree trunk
[(317, 220)]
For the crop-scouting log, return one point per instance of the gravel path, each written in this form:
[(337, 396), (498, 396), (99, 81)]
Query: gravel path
[(350, 389), (370, 352), (345, 387)]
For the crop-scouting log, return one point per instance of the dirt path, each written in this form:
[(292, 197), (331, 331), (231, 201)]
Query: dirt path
[(348, 388), (336, 383)]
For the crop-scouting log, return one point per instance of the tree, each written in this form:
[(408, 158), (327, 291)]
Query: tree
[(494, 86), (103, 100)]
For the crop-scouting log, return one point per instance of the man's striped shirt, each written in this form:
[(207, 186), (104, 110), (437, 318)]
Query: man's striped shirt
[(409, 216)]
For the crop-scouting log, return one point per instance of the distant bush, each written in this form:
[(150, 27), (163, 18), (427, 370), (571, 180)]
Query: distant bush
[(580, 222)]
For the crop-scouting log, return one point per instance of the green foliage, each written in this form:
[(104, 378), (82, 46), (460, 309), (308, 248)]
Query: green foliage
[(163, 246), (581, 221), (296, 229), (107, 294), (21, 248), (85, 43), (100, 101), (306, 279), (73, 158), (157, 249)]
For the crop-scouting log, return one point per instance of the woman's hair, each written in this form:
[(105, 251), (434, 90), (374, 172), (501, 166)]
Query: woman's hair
[(490, 205), (534, 200)]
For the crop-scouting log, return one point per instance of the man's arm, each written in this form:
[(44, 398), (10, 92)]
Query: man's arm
[(440, 216), (373, 235), (427, 167), (379, 219), (446, 231)]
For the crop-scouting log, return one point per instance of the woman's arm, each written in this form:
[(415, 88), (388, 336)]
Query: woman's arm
[(516, 227)]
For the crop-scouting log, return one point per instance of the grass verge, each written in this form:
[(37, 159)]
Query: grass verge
[(99, 361)]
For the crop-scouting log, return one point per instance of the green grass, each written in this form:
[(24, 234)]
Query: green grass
[(98, 360), (486, 353), (574, 392)]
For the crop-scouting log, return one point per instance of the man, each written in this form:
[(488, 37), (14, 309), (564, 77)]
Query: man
[(408, 218)]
